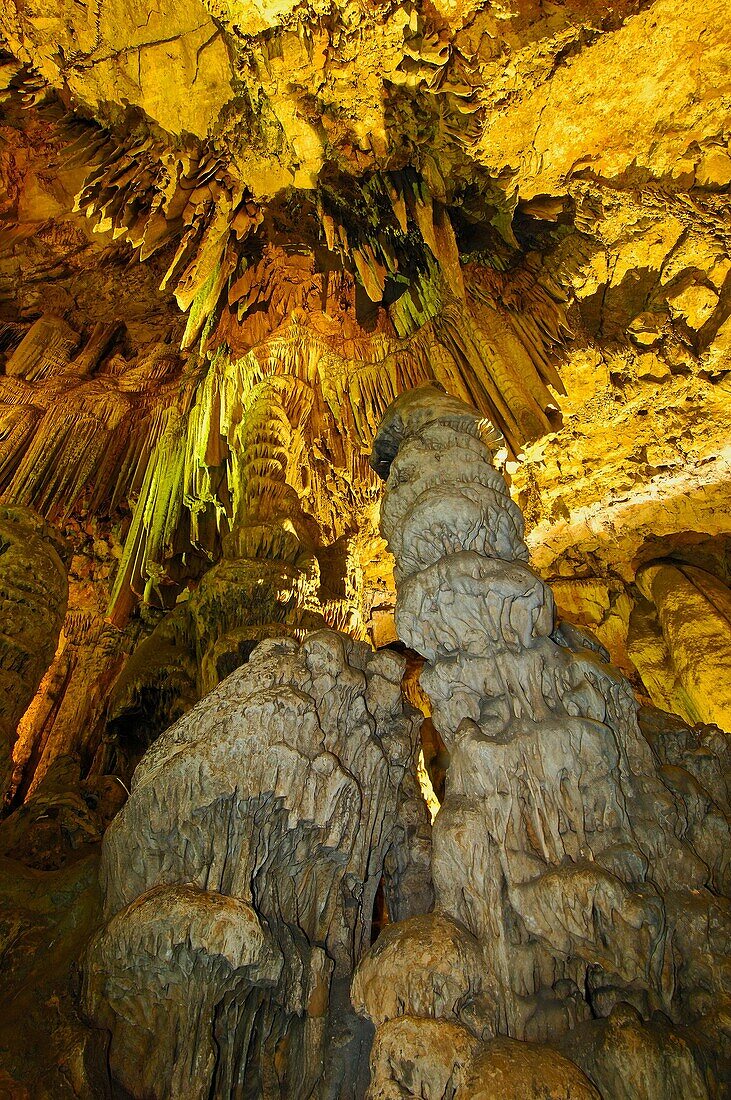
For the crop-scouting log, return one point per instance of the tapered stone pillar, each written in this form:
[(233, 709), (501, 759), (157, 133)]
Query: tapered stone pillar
[(33, 597), (694, 612), (575, 874), (239, 881)]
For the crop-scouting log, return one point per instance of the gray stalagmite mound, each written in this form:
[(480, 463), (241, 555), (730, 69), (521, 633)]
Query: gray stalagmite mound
[(239, 880)]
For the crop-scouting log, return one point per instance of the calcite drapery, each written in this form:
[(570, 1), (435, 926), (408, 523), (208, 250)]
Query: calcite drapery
[(33, 595), (68, 714), (588, 874), (243, 870)]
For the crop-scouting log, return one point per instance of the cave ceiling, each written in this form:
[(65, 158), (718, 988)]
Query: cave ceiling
[(526, 202)]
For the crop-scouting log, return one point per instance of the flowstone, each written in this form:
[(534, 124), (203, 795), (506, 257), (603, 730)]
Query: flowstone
[(591, 873), (240, 878)]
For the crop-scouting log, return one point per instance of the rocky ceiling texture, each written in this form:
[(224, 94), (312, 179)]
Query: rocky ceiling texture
[(230, 235)]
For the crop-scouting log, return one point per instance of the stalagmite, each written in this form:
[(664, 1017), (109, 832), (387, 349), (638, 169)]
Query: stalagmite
[(267, 583), (242, 873), (590, 873), (33, 595)]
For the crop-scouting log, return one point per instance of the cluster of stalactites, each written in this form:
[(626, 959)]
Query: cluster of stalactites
[(78, 422), (251, 451), (72, 426)]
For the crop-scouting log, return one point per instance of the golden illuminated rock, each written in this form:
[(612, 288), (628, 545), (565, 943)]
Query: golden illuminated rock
[(694, 612), (240, 877)]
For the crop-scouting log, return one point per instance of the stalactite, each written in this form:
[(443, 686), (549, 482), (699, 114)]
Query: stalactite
[(155, 522), (45, 351), (11, 334), (68, 715), (230, 273), (318, 207)]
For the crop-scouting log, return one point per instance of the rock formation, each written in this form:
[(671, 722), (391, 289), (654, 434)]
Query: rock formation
[(380, 225), (574, 870), (33, 595), (240, 878), (231, 234), (267, 583), (693, 612)]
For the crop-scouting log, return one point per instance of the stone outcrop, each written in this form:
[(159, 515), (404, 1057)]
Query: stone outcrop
[(584, 871), (523, 1071), (426, 966), (414, 1056), (63, 820), (629, 1059), (693, 612), (703, 751), (33, 595), (243, 871)]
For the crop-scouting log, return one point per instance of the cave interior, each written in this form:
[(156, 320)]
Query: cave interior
[(365, 550)]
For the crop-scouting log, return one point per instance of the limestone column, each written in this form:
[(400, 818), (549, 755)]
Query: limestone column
[(567, 873), (268, 580), (694, 611)]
